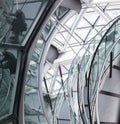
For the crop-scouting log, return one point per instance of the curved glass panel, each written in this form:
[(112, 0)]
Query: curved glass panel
[(73, 117), (33, 110), (58, 102), (84, 63), (101, 54), (33, 106)]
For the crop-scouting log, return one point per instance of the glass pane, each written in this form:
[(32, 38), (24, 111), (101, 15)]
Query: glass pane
[(9, 68), (117, 49), (19, 20), (60, 12), (101, 61), (35, 120), (47, 30)]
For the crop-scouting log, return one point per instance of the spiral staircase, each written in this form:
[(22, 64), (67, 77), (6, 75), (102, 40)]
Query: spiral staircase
[(89, 95)]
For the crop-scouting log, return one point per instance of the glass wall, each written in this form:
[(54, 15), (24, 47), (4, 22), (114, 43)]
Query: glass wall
[(9, 70), (18, 19)]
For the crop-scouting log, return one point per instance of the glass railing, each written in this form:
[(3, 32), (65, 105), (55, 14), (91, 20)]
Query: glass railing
[(33, 109), (16, 24), (59, 100), (101, 61), (33, 105), (105, 68), (73, 118), (84, 63)]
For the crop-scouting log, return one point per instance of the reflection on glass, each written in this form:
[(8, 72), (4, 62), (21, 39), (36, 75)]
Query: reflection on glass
[(17, 25), (8, 76), (5, 5), (16, 22), (35, 120)]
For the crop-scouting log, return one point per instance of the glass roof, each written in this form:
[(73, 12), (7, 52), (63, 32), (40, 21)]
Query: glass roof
[(75, 31), (80, 28)]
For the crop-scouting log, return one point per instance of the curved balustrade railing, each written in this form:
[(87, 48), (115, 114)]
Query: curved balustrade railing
[(115, 51), (59, 100), (73, 118), (33, 105), (102, 52), (84, 63)]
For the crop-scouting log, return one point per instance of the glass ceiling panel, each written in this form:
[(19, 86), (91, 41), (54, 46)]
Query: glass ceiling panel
[(92, 19), (82, 23), (70, 21), (60, 12)]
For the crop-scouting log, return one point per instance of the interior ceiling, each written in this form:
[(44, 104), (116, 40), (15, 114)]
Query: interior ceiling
[(79, 28), (74, 33)]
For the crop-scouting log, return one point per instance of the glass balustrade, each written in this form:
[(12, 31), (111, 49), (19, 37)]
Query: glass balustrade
[(101, 61), (73, 118), (33, 108), (85, 61), (32, 103), (59, 100)]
